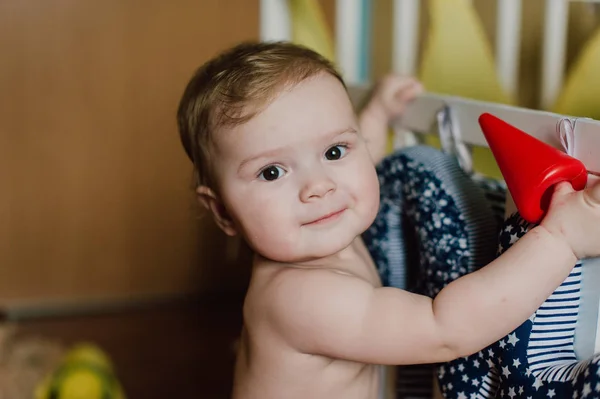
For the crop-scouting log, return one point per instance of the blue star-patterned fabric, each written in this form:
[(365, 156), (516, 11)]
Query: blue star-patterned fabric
[(536, 360), (435, 224)]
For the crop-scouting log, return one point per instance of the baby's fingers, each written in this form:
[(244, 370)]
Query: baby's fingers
[(408, 92), (562, 188)]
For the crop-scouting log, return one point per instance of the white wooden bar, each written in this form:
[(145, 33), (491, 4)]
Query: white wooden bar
[(275, 21), (420, 116), (405, 37), (508, 43), (348, 23), (554, 50)]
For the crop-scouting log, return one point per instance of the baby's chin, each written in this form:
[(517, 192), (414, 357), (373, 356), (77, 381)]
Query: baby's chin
[(311, 244), (305, 252)]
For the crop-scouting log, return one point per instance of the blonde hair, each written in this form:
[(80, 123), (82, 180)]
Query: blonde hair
[(233, 87)]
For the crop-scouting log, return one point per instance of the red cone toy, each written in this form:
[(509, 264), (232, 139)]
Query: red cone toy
[(530, 167)]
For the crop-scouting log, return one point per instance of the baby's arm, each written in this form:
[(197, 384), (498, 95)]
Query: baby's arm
[(388, 101), (344, 317)]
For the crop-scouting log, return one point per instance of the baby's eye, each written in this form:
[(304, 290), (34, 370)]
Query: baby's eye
[(271, 173), (336, 152)]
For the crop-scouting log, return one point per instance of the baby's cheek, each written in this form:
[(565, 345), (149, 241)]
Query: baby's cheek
[(279, 251), (275, 240)]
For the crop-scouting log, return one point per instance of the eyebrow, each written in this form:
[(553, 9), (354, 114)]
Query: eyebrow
[(275, 151)]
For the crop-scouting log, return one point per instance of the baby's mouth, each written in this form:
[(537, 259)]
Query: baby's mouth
[(326, 218)]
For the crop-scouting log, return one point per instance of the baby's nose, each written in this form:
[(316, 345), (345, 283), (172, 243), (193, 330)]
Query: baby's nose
[(317, 187)]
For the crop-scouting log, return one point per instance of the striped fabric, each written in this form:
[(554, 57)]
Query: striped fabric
[(536, 360), (550, 353), (489, 384)]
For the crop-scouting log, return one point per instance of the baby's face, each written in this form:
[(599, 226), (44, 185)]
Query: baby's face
[(297, 179)]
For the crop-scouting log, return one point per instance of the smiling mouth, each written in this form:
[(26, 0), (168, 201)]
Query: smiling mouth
[(327, 218)]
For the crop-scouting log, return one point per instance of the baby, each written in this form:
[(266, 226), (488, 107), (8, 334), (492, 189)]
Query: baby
[(282, 160)]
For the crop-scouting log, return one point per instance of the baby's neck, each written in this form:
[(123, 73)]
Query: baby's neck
[(352, 260)]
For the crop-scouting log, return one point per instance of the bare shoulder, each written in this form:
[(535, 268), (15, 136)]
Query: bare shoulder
[(342, 315), (299, 303), (283, 287)]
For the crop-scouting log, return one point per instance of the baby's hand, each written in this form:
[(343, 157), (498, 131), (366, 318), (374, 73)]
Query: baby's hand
[(574, 217), (388, 101), (392, 94)]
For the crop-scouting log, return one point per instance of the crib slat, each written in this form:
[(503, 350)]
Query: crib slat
[(405, 36), (554, 50), (350, 31), (508, 43), (275, 21)]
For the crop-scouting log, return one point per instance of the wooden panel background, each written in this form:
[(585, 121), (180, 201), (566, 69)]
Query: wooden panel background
[(95, 197), (95, 194)]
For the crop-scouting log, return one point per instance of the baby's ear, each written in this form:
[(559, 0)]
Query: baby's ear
[(209, 199)]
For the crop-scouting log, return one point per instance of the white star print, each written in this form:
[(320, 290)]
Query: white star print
[(476, 363), (520, 390), (527, 372), (461, 395), (452, 370), (491, 353), (538, 383), (461, 367), (587, 389), (473, 395), (516, 362), (511, 392), (502, 344), (598, 387), (505, 371), (465, 378), (475, 382), (512, 339), (551, 393), (490, 363)]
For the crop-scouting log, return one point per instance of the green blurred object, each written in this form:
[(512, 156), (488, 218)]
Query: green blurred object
[(85, 372)]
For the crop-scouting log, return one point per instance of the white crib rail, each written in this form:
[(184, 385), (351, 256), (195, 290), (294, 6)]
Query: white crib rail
[(421, 115)]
